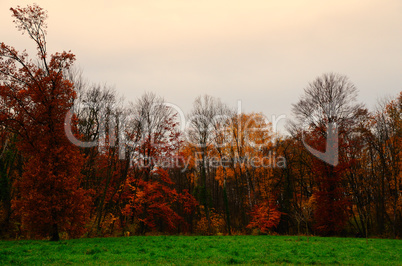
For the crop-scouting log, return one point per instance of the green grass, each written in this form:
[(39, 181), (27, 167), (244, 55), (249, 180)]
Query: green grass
[(195, 250)]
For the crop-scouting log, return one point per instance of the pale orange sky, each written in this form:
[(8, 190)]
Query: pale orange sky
[(261, 52)]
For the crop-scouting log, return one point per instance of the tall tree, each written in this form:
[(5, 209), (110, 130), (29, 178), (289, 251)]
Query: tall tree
[(200, 134), (385, 144), (37, 97), (324, 114), (153, 143)]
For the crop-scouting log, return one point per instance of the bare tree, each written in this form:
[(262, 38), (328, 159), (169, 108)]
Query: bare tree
[(331, 98), (385, 143), (207, 114), (328, 111), (221, 125), (152, 128)]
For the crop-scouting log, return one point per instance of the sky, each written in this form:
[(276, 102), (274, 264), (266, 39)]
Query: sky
[(262, 53)]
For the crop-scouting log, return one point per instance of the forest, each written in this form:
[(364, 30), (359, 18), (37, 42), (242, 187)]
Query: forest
[(76, 160)]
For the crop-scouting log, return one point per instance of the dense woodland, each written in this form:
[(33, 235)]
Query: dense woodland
[(76, 160)]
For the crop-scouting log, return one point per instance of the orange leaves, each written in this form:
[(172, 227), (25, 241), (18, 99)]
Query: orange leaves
[(153, 201), (163, 175), (187, 200), (217, 224), (265, 216), (220, 175)]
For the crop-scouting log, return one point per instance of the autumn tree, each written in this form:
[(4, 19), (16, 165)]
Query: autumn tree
[(265, 216), (221, 141), (150, 197), (99, 109), (251, 169), (37, 97), (324, 115), (384, 143), (200, 135)]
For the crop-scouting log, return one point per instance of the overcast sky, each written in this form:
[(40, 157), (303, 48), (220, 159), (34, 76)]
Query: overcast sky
[(260, 52)]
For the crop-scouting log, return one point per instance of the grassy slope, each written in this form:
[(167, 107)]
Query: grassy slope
[(200, 250)]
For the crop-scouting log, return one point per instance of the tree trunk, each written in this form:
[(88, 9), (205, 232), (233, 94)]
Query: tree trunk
[(225, 198), (55, 233), (204, 192)]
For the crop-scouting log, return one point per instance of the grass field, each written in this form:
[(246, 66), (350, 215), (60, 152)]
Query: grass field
[(194, 250)]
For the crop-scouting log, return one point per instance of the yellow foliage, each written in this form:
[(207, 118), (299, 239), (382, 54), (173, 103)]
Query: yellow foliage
[(218, 224)]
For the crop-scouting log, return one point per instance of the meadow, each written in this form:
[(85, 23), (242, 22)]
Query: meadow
[(196, 250)]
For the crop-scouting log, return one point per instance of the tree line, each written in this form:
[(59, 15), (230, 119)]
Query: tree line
[(76, 160)]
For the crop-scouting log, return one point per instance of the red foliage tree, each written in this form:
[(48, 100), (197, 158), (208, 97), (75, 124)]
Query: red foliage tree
[(152, 202), (151, 199), (265, 216), (37, 98), (331, 207)]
